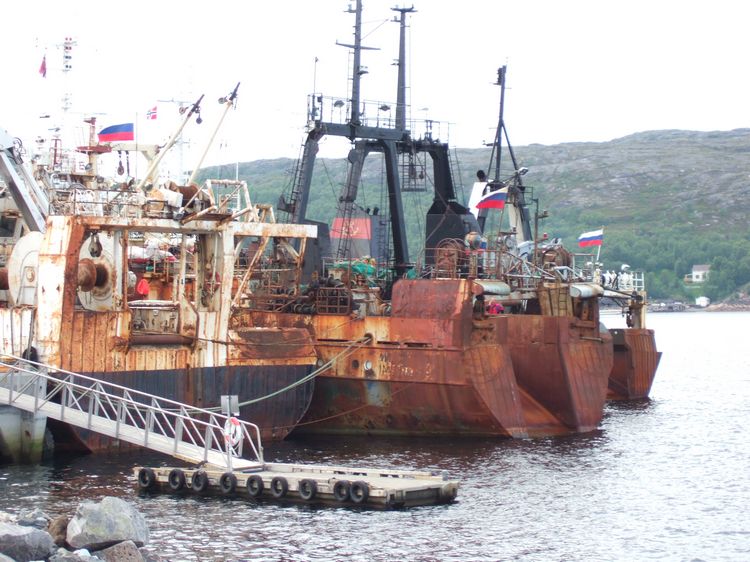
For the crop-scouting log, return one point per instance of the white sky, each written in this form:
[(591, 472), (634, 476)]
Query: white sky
[(578, 70)]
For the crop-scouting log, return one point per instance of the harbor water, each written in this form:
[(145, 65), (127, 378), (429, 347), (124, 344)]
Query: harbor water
[(662, 479)]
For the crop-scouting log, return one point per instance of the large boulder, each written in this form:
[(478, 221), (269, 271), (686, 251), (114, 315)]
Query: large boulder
[(25, 543), (100, 525)]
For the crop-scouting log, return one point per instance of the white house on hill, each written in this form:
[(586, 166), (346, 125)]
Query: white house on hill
[(698, 275)]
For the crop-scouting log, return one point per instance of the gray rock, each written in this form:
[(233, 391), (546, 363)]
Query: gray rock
[(4, 558), (121, 552), (33, 518), (81, 555), (58, 528), (25, 543), (6, 517), (100, 525)]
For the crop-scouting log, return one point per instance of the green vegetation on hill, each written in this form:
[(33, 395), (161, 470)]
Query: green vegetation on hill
[(667, 200)]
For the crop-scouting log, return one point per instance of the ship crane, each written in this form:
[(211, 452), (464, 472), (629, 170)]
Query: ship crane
[(446, 218)]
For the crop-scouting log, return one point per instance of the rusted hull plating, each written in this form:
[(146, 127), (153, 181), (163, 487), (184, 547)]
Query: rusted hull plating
[(433, 369), (561, 366), (203, 388), (635, 362), (414, 403)]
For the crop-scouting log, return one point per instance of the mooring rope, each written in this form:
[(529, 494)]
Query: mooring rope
[(317, 372)]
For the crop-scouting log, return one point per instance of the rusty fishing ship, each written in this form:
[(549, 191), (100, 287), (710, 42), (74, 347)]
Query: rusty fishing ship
[(418, 348), (636, 357), (143, 285)]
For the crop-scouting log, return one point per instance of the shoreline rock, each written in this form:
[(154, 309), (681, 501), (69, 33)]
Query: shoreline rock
[(111, 530)]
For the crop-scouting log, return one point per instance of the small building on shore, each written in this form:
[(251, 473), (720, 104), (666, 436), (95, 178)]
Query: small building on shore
[(698, 275)]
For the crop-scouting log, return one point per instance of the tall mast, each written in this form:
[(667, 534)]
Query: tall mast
[(401, 93), (497, 147), (357, 70), (357, 66)]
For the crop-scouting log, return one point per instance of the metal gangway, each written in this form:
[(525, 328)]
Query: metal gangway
[(191, 434)]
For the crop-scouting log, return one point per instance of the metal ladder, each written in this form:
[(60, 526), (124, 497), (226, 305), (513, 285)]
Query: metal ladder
[(191, 434)]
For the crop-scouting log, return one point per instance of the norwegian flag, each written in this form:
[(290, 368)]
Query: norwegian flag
[(151, 113)]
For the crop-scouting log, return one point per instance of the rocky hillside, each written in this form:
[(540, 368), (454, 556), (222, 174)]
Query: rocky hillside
[(667, 199), (641, 183)]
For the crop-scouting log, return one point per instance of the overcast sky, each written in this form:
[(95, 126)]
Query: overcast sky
[(578, 70)]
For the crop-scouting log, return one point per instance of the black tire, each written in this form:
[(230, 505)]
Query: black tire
[(341, 490), (199, 481), (228, 483), (176, 480), (359, 491), (254, 486), (279, 487), (146, 478), (308, 489)]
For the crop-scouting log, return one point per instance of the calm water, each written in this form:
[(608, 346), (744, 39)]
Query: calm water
[(664, 479)]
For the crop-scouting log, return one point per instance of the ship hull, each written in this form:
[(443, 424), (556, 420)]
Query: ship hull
[(551, 382), (435, 368), (635, 362), (416, 392), (203, 388)]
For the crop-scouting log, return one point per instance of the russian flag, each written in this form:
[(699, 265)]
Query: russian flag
[(493, 200), (123, 132), (592, 238)]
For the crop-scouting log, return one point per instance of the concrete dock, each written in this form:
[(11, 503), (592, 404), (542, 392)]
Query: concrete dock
[(375, 488)]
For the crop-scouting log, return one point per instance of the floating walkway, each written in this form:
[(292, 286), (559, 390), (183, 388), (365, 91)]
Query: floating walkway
[(384, 489)]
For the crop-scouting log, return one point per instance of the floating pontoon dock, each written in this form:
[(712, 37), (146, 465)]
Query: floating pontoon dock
[(306, 483)]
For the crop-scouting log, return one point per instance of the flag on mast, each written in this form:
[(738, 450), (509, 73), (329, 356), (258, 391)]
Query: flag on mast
[(493, 200), (43, 67), (591, 238), (122, 132)]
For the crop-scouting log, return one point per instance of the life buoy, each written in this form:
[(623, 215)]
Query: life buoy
[(199, 481), (254, 486), (233, 431), (176, 480), (279, 487), (341, 490), (146, 478), (359, 491), (308, 488), (228, 483)]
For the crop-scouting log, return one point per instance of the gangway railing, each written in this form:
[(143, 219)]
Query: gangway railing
[(166, 426)]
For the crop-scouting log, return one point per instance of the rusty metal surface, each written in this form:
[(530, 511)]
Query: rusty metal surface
[(187, 354), (635, 362), (563, 373), (282, 346), (444, 372)]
